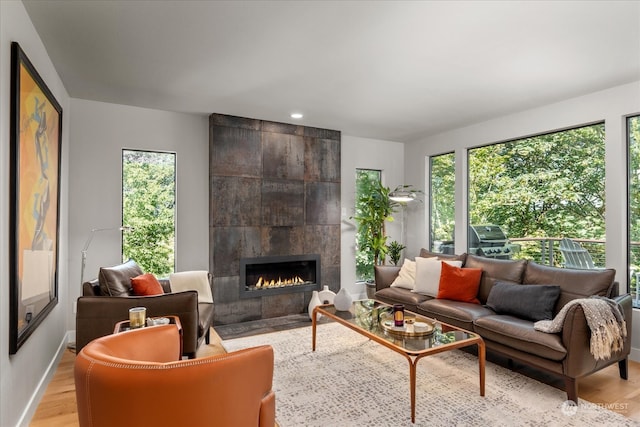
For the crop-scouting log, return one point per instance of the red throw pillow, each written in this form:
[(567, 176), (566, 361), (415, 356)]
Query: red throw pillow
[(459, 284), (146, 284)]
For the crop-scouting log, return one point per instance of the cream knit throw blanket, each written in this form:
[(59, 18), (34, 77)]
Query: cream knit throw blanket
[(605, 319)]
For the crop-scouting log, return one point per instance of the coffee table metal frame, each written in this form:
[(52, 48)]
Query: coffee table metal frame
[(412, 356)]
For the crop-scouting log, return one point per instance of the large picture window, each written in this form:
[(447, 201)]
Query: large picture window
[(148, 206), (442, 181), (537, 191), (633, 141)]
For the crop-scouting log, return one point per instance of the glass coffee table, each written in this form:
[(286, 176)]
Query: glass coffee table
[(418, 337)]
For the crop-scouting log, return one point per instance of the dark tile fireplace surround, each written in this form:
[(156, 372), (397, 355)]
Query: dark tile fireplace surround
[(274, 202)]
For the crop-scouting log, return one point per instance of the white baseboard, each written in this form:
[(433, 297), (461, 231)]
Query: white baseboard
[(34, 401), (635, 354)]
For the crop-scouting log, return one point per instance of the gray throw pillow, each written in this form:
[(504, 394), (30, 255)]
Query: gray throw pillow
[(531, 302)]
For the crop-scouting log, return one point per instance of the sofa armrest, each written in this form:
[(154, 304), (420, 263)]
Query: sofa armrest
[(97, 316), (576, 337), (385, 275), (626, 303)]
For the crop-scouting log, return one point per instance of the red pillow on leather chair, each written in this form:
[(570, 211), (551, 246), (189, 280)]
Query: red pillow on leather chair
[(459, 284), (145, 285)]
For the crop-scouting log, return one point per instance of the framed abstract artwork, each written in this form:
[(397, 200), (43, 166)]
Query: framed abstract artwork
[(36, 142)]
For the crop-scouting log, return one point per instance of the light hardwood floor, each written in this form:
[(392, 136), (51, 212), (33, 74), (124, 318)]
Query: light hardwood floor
[(604, 388)]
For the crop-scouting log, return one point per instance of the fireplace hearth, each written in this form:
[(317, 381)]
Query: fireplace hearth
[(276, 275)]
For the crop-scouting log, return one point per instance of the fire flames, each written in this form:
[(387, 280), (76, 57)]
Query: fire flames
[(262, 283)]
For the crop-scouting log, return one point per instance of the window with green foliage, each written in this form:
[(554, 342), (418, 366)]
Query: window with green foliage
[(148, 206), (442, 181), (366, 181), (633, 141), (546, 187)]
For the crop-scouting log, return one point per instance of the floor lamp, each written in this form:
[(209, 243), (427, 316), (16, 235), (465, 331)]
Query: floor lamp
[(85, 248)]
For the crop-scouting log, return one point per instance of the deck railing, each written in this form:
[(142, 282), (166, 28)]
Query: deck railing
[(546, 250)]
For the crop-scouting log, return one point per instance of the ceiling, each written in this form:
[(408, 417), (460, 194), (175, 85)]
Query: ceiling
[(387, 70)]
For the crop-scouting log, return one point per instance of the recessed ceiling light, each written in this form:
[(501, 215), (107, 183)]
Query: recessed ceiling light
[(297, 115)]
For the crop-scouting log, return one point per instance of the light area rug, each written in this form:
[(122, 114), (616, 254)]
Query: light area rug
[(352, 381)]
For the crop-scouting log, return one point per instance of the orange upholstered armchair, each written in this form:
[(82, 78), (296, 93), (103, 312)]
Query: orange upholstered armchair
[(135, 378)]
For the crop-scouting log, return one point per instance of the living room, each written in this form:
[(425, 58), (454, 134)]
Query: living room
[(96, 130)]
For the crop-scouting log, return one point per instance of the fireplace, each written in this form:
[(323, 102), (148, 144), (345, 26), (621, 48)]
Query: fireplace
[(275, 275), (274, 191)]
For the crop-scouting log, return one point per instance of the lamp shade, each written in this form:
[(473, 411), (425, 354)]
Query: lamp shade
[(402, 196)]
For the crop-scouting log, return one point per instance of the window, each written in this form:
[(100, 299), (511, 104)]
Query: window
[(365, 181), (148, 206), (540, 189), (633, 142), (442, 180)]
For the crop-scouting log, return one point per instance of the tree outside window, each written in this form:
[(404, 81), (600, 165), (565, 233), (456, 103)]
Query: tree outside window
[(366, 181), (148, 206), (545, 186), (442, 182), (633, 140)]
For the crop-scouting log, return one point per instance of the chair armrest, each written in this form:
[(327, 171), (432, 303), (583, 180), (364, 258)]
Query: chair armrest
[(97, 316), (576, 337), (385, 275)]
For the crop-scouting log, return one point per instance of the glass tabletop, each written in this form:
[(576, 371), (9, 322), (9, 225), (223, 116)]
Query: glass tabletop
[(417, 334)]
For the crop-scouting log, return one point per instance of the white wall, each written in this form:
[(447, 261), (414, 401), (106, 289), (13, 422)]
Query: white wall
[(610, 105), (24, 375), (99, 132), (365, 153)]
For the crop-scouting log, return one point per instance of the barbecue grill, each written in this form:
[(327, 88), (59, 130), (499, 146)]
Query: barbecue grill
[(487, 240), (490, 241)]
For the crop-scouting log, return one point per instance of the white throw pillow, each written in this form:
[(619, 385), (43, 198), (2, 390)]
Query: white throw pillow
[(407, 276), (192, 280), (428, 275)]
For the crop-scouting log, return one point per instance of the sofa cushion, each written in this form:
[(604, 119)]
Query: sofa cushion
[(428, 272), (461, 314), (116, 281), (574, 283), (519, 334), (459, 284), (427, 254), (192, 280), (407, 276), (494, 270), (531, 302), (145, 285), (400, 296)]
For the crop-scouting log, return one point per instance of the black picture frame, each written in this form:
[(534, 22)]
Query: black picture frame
[(34, 219)]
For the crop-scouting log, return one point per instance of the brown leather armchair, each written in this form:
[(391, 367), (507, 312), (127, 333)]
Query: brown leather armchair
[(98, 312), (135, 378)]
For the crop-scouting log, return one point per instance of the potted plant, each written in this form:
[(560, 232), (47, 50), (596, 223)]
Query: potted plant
[(373, 210), (374, 207), (395, 250)]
